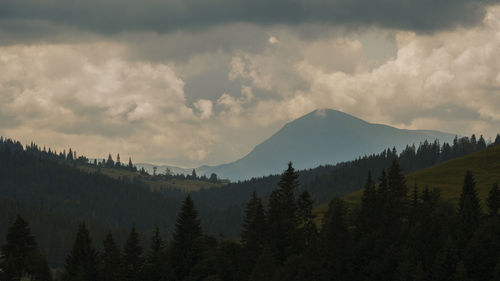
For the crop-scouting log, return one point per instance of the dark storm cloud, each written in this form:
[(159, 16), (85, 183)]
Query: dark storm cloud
[(111, 16)]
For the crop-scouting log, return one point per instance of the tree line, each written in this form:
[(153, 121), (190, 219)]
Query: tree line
[(396, 233)]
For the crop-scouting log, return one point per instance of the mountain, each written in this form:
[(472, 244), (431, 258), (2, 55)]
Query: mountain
[(324, 136)]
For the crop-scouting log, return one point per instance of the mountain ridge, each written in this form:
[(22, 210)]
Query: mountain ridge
[(315, 140)]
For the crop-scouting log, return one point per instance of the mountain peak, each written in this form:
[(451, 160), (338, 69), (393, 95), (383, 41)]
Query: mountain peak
[(323, 136)]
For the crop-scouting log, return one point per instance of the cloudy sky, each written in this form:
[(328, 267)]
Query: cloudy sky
[(191, 82)]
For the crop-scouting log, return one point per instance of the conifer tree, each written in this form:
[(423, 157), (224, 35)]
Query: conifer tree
[(130, 165), (493, 200), (368, 204), (110, 163), (153, 264), (336, 240), (307, 228), (265, 267), (118, 161), (132, 262), (110, 261), (185, 252), (497, 139), (398, 191), (383, 190), (445, 262), (253, 234), (469, 209), (20, 257), (81, 263), (282, 215), (481, 143)]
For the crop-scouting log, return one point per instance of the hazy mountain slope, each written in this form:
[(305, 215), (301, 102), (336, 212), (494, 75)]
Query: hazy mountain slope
[(321, 137)]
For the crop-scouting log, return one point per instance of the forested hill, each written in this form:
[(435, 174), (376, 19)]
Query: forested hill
[(326, 182), (55, 197), (447, 177)]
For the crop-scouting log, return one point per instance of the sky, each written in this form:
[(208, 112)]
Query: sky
[(193, 82)]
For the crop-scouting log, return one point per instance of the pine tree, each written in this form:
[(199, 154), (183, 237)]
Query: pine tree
[(110, 261), (81, 263), (282, 216), (193, 174), (130, 165), (497, 139), (481, 143), (469, 209), (118, 162), (368, 204), (253, 233), (493, 200), (336, 243), (398, 191), (265, 267), (445, 262), (132, 263), (185, 253), (110, 163), (153, 265), (307, 227), (20, 256)]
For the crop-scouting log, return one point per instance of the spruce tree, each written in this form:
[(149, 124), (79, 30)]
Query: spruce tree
[(469, 209), (153, 265), (20, 257), (368, 205), (493, 200), (110, 261), (336, 243), (497, 140), (307, 227), (185, 251), (81, 263), (253, 233), (265, 267), (282, 216), (132, 263)]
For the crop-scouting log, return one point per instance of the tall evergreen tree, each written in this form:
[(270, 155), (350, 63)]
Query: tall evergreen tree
[(132, 262), (307, 227), (469, 209), (253, 233), (20, 257), (185, 251), (81, 263), (110, 261), (497, 139), (368, 204), (154, 265), (336, 243), (493, 200), (282, 215)]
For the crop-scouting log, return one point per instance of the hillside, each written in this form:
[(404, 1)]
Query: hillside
[(55, 197), (321, 137), (155, 183), (448, 176)]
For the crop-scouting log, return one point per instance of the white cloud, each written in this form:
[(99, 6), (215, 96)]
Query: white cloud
[(204, 107)]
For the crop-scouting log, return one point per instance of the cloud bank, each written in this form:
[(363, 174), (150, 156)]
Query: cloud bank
[(113, 16)]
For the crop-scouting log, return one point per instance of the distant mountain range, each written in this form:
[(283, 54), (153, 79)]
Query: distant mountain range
[(324, 136)]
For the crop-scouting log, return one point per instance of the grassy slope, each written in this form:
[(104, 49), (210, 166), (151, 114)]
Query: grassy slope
[(184, 185), (448, 176)]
